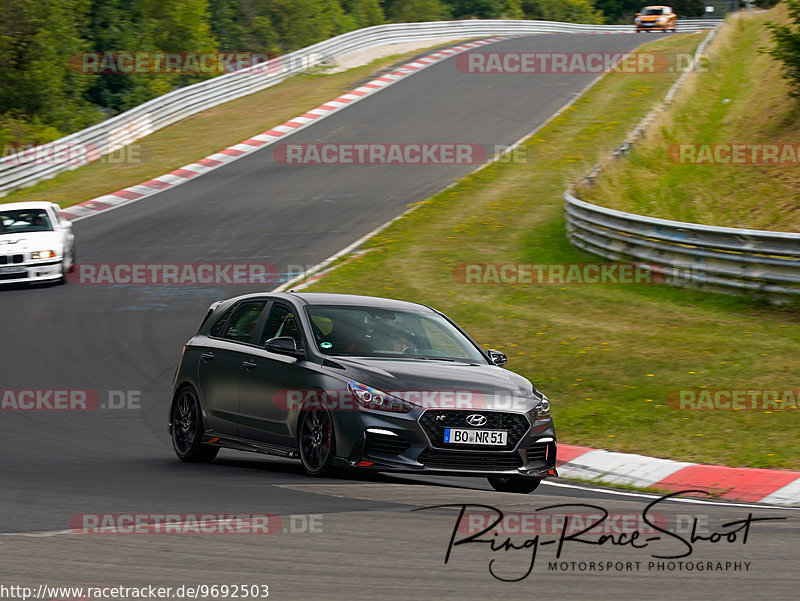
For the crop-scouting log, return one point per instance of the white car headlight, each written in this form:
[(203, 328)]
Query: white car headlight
[(542, 409), (371, 398), (43, 254)]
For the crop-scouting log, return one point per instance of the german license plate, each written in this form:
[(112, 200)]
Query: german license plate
[(12, 270), (464, 436)]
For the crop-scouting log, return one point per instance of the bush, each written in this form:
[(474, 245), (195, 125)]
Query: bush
[(787, 46)]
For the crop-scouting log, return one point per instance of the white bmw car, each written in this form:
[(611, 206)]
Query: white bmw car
[(36, 244)]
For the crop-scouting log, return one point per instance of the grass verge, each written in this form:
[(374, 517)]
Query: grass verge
[(205, 133), (607, 355), (741, 99)]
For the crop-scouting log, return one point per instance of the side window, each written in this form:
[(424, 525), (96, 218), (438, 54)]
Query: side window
[(281, 321), (243, 321), (216, 330)]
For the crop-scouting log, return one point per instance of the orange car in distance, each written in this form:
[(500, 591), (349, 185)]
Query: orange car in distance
[(655, 18)]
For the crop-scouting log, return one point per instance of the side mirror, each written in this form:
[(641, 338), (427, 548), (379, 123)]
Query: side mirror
[(496, 357), (284, 345)]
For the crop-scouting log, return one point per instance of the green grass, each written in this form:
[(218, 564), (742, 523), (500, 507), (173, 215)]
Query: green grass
[(203, 134), (606, 355), (740, 99)]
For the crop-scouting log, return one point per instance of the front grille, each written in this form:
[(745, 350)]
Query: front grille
[(11, 259), (434, 422), (381, 444), (538, 452), (13, 276), (466, 460)]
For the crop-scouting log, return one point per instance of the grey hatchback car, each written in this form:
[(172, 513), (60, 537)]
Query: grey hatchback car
[(357, 382)]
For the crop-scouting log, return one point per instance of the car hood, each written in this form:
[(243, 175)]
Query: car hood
[(443, 384), (30, 241)]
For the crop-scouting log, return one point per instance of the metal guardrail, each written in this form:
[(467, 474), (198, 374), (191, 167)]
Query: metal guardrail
[(717, 258), (112, 134), (724, 259)]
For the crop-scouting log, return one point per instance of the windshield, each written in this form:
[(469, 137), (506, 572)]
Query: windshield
[(654, 11), (374, 332), (24, 220)]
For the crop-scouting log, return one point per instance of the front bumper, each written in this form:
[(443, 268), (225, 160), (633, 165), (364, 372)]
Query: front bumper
[(38, 271), (399, 443), (652, 26)]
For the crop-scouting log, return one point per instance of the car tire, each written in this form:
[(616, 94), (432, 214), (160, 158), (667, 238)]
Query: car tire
[(316, 439), (187, 429), (516, 484)]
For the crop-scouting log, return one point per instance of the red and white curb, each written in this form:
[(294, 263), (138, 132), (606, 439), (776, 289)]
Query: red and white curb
[(776, 487), (174, 178)]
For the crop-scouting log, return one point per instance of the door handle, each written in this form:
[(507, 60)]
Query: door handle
[(249, 365), (206, 357)]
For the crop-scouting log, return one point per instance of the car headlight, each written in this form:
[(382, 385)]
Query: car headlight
[(43, 254), (661, 19), (542, 409), (371, 398)]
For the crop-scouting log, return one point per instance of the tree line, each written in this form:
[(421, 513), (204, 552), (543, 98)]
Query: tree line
[(43, 96)]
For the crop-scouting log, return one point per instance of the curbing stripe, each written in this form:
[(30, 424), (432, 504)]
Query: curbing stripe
[(620, 468), (182, 173), (788, 495), (128, 194), (775, 487), (742, 484), (568, 452)]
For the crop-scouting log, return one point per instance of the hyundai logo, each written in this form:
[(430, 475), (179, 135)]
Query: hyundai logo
[(476, 419)]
